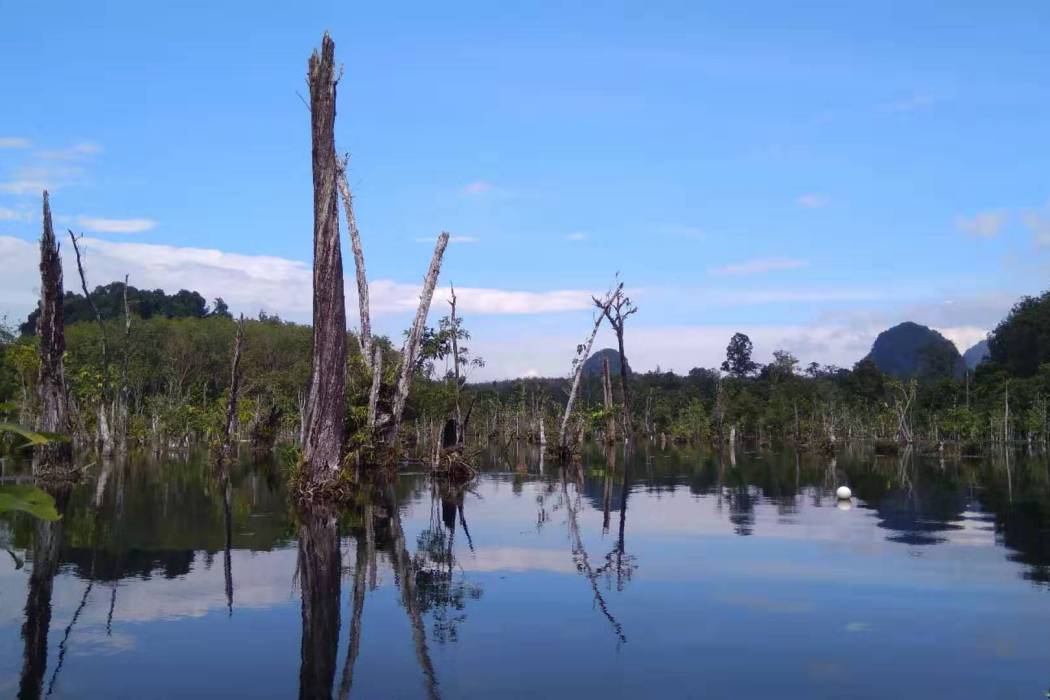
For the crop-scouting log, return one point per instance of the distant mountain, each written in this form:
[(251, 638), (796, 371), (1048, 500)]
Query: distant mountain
[(912, 350), (593, 366), (976, 355)]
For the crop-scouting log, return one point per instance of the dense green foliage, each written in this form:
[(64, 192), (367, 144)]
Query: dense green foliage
[(144, 303)]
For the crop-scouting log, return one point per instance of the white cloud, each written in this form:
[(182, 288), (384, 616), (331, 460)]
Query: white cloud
[(13, 215), (478, 187), (13, 142), (1038, 222), (964, 337), (759, 266), (813, 201), (577, 236), (74, 152), (23, 186), (985, 224), (249, 283), (98, 225)]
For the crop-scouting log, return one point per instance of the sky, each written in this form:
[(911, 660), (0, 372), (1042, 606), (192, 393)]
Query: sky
[(807, 173)]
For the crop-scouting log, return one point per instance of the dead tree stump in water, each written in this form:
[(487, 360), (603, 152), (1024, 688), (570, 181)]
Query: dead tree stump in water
[(51, 380), (326, 402)]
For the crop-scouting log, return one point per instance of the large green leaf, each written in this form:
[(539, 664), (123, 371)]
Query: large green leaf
[(30, 499), (34, 438)]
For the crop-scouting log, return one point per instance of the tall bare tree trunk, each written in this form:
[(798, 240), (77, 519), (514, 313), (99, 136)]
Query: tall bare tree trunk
[(54, 401), (607, 395), (235, 387), (365, 337), (410, 351), (455, 367), (326, 401), (377, 380), (581, 358)]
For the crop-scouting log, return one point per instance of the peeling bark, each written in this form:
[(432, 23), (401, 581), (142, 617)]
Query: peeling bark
[(326, 401)]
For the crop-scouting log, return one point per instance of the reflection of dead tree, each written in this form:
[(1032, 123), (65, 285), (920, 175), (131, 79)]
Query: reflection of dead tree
[(64, 644), (319, 580), (579, 555), (46, 546), (358, 602), (406, 579), (227, 564), (618, 561)]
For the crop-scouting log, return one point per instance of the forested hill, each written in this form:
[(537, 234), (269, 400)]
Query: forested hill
[(977, 354), (910, 350), (593, 366), (144, 303)]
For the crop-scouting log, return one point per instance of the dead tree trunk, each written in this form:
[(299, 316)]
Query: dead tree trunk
[(54, 401), (365, 337), (583, 352), (105, 435), (607, 395), (410, 351), (326, 401), (373, 394), (235, 386), (455, 367), (617, 313)]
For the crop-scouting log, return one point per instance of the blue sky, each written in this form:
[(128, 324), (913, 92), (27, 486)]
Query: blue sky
[(807, 172)]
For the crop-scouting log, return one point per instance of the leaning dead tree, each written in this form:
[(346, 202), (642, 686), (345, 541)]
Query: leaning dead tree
[(617, 313), (326, 400), (54, 401), (105, 404), (582, 353), (410, 351), (365, 337)]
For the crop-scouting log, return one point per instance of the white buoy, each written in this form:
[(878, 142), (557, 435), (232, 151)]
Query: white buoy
[(843, 493)]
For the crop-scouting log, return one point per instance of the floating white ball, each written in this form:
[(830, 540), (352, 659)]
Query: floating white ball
[(844, 493)]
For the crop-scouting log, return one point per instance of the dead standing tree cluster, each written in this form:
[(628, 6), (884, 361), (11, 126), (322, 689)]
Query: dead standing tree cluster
[(615, 306), (324, 439)]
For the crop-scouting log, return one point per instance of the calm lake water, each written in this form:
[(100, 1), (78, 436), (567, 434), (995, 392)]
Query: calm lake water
[(681, 574)]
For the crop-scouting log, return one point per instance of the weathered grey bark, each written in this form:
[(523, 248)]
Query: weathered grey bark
[(235, 387), (51, 380), (319, 582), (326, 401), (105, 435), (365, 337), (581, 358), (410, 351), (377, 380), (607, 395)]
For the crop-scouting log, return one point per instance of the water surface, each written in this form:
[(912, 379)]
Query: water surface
[(660, 572)]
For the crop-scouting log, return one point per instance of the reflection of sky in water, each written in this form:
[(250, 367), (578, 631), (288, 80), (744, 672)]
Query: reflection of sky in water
[(886, 598)]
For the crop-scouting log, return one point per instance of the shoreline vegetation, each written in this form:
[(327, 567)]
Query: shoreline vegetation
[(118, 369)]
